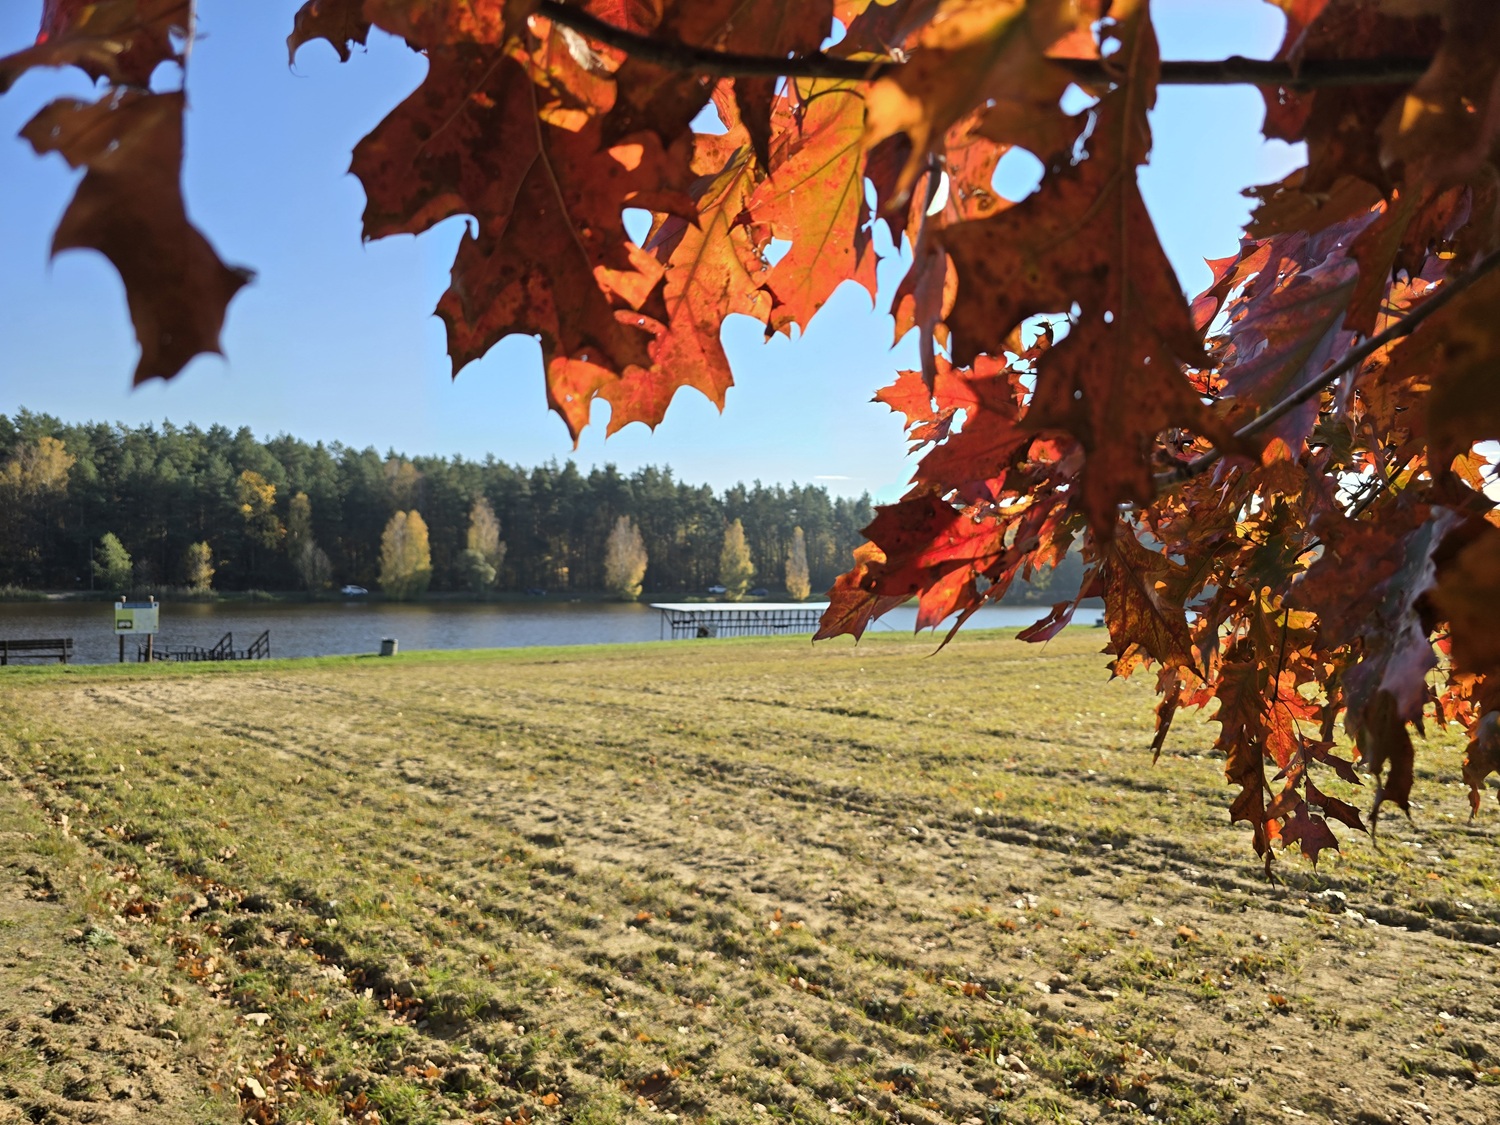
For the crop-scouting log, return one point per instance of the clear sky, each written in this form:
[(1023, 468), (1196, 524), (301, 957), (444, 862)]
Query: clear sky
[(336, 341)]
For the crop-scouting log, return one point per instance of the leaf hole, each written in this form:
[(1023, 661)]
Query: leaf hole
[(637, 222), (940, 197), (1018, 174), (1076, 99), (709, 121)]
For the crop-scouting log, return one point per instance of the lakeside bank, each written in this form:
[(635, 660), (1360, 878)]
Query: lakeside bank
[(351, 627)]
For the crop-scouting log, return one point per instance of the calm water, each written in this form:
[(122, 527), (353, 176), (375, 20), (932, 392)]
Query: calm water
[(328, 629)]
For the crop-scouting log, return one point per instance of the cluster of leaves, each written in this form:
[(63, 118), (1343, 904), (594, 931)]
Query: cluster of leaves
[(1279, 487)]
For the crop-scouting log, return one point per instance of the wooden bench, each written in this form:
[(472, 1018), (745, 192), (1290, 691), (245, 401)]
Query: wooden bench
[(51, 648)]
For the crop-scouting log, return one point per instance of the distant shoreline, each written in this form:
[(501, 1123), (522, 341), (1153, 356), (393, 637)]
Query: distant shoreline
[(22, 596)]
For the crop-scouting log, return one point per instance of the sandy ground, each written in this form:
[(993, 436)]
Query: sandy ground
[(732, 882)]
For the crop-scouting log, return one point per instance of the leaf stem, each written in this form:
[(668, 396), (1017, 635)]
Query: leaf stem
[(1233, 71)]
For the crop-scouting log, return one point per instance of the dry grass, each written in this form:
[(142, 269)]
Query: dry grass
[(731, 881)]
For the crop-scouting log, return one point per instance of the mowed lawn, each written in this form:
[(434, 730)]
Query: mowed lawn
[(727, 881)]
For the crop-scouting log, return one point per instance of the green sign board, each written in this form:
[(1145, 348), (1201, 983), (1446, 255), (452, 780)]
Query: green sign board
[(136, 617)]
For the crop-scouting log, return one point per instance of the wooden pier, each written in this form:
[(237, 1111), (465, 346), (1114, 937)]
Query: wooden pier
[(703, 620), (260, 649)]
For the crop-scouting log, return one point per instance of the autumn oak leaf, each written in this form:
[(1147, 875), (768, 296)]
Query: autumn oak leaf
[(982, 53), (815, 199), (122, 41), (129, 208), (550, 255)]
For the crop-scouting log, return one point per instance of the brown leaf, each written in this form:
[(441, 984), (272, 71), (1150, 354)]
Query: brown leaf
[(1341, 124), (982, 54), (1376, 250), (1384, 741), (1139, 608), (123, 41), (780, 27), (922, 537), (431, 24), (129, 208), (1057, 619), (551, 256), (666, 100), (1333, 808), (1287, 323), (1467, 596), (1454, 353), (1085, 240), (1321, 752), (1482, 758), (1445, 127), (340, 22), (1285, 208), (992, 435), (852, 605), (1370, 584), (1311, 833)]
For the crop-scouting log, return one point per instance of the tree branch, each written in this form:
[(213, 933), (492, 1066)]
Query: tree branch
[(1351, 361), (1233, 71)]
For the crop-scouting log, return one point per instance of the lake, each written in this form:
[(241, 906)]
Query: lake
[(330, 628)]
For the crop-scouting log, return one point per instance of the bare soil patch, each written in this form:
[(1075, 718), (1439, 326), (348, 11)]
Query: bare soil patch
[(723, 882)]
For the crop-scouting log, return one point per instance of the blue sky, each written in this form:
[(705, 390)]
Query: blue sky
[(335, 340)]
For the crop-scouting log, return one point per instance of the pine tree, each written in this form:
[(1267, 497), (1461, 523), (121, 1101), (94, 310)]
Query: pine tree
[(625, 560), (405, 557), (735, 568), (798, 585)]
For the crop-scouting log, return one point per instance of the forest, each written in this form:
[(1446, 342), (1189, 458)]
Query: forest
[(161, 490)]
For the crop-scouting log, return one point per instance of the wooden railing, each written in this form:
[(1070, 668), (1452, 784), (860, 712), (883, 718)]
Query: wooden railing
[(260, 649)]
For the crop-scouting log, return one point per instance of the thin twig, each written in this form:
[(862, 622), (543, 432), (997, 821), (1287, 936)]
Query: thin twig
[(1233, 71), (1375, 488), (1403, 327)]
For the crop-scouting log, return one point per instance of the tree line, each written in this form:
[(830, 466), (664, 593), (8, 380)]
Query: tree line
[(103, 505)]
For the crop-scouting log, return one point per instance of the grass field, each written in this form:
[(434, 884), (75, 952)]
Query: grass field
[(723, 882)]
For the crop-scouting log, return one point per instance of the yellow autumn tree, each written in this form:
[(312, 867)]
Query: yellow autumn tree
[(484, 552), (198, 567), (257, 500), (735, 568), (625, 560), (33, 485), (798, 584), (405, 557)]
